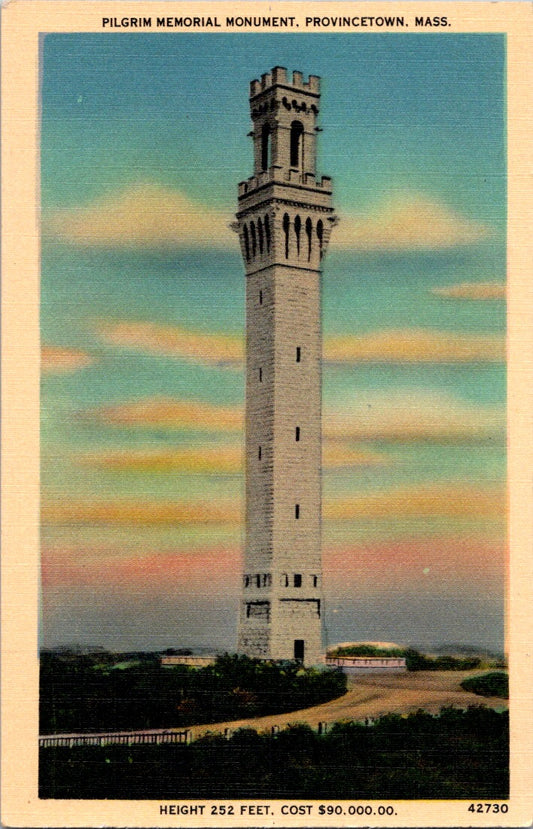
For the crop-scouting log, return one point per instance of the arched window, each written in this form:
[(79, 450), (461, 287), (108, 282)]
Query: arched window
[(254, 241), (309, 233), (320, 234), (260, 234), (286, 225), (297, 231), (266, 147), (297, 132), (267, 233), (246, 243)]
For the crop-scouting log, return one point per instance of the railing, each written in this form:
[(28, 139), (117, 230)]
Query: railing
[(143, 738), (132, 738)]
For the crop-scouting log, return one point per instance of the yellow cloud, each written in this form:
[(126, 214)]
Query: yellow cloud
[(408, 345), (422, 502), (401, 416), (138, 513), (212, 460), (472, 290), (335, 455), (149, 214), (56, 360), (412, 345), (222, 460), (413, 416), (407, 221), (144, 215), (417, 502), (173, 341), (173, 414)]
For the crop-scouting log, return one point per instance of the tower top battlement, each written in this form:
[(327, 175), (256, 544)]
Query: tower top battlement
[(278, 76)]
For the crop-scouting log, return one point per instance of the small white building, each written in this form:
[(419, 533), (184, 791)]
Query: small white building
[(368, 664)]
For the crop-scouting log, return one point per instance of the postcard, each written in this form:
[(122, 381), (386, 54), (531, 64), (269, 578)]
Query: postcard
[(266, 371)]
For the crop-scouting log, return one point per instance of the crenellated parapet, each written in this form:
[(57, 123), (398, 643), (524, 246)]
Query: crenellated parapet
[(278, 77)]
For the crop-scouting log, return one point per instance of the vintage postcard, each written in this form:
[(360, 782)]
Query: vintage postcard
[(266, 414)]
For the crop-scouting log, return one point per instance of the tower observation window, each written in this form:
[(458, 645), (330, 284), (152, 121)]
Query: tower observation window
[(298, 354), (297, 433), (286, 225), (266, 146), (320, 234), (297, 510), (267, 233), (297, 131), (309, 233), (254, 239), (297, 231), (297, 579)]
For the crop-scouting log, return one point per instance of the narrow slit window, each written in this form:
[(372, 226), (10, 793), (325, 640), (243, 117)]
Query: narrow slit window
[(266, 147), (297, 579), (297, 510), (296, 143), (297, 433), (260, 375), (298, 354), (260, 297), (297, 232), (259, 453), (320, 235), (309, 233), (286, 225), (258, 580), (267, 233), (315, 581)]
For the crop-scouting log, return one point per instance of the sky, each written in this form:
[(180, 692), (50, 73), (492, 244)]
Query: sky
[(143, 143)]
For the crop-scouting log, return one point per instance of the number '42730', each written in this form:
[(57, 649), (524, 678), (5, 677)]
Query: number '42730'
[(483, 808)]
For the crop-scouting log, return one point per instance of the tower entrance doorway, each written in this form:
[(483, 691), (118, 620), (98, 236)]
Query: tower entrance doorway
[(299, 649)]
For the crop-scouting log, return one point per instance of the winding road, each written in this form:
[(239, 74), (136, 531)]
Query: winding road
[(371, 696)]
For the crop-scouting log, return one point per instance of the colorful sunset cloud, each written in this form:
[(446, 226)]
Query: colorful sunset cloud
[(450, 501), (413, 416), (442, 561), (144, 215), (214, 460), (172, 414), (151, 215), (472, 290), (131, 512), (457, 501), (173, 341), (410, 345), (408, 221), (401, 416), (58, 360), (415, 345), (152, 570)]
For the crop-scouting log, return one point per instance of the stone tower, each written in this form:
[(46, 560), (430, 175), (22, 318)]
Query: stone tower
[(284, 221)]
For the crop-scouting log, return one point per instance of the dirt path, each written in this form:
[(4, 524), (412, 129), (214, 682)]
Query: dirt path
[(371, 696)]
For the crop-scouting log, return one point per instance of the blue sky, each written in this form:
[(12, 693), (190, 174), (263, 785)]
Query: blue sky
[(143, 142)]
